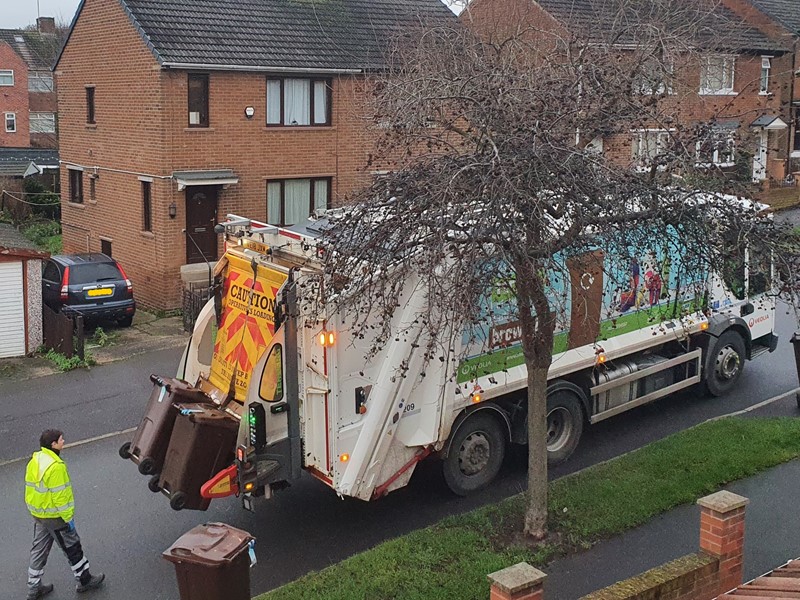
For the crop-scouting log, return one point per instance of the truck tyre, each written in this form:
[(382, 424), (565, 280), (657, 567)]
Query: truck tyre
[(724, 364), (564, 425), (476, 454), (152, 484), (147, 466), (125, 450), (177, 501)]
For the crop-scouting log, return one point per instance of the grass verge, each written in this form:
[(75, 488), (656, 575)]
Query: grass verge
[(450, 560)]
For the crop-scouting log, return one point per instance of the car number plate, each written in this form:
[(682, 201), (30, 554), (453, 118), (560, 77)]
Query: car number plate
[(99, 292)]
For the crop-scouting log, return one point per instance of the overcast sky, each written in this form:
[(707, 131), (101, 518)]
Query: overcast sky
[(19, 13)]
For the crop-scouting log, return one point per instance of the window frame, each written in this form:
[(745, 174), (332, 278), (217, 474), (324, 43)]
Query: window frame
[(643, 85), (638, 135), (147, 204), (75, 185), (726, 137), (203, 123), (37, 116), (764, 79), (327, 81), (728, 68), (91, 114), (7, 73), (282, 182), (38, 76), (10, 117)]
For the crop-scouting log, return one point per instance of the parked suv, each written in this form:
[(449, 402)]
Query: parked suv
[(93, 285)]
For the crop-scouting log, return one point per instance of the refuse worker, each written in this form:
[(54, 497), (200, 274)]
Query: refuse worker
[(48, 494)]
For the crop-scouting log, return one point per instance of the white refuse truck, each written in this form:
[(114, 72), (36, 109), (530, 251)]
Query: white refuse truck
[(307, 399)]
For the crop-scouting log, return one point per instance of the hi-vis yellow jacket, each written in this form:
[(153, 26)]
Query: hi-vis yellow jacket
[(48, 491)]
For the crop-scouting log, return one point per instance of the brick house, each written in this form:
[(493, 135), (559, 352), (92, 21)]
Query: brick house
[(173, 114), (27, 98), (780, 19), (741, 93)]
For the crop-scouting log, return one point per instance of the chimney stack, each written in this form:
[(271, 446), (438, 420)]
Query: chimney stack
[(46, 25)]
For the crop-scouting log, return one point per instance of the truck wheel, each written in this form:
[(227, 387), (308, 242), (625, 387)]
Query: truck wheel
[(177, 501), (725, 363), (152, 484), (476, 454), (125, 450), (564, 426), (147, 466)]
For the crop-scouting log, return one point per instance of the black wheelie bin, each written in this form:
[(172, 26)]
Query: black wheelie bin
[(149, 445), (203, 443)]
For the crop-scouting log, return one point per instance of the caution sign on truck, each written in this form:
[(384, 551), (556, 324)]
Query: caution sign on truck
[(248, 322)]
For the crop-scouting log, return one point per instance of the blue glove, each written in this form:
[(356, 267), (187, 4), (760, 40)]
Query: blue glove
[(71, 525)]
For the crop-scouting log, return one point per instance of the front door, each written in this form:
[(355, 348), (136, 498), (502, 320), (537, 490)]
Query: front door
[(760, 158), (201, 217)]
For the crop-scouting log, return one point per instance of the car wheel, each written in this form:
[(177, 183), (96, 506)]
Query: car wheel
[(125, 321), (476, 454), (724, 364)]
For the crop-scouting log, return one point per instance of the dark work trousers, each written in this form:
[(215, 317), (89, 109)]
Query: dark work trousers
[(45, 531)]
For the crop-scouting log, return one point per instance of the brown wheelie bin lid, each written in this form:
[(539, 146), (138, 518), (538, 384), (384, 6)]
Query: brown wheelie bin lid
[(210, 544)]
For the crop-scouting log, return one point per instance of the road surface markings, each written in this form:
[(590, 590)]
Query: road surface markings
[(73, 444)]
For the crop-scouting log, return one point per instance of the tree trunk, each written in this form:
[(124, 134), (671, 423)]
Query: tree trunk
[(536, 511), (538, 324)]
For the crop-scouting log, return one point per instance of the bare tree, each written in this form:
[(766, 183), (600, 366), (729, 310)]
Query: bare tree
[(492, 187)]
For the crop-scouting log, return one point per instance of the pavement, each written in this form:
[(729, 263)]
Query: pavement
[(148, 333), (772, 530)]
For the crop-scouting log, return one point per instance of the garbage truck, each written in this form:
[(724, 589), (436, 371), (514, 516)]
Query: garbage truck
[(270, 385)]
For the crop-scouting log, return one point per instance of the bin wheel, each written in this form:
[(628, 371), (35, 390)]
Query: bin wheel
[(125, 450), (147, 466), (177, 501), (152, 485)]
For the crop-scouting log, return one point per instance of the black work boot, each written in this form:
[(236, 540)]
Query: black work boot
[(89, 582), (40, 591)]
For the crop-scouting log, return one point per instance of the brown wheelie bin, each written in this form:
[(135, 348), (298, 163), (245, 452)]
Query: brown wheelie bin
[(203, 442), (149, 445), (212, 561)]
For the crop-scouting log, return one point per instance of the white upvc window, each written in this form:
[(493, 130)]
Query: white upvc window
[(11, 122), (648, 144), (40, 82), (43, 122), (6, 77), (654, 77), (716, 75), (717, 148), (766, 65)]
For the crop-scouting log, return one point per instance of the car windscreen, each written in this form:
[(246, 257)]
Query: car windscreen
[(93, 273)]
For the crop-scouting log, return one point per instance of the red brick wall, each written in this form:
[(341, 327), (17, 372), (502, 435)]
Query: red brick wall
[(14, 99), (105, 51), (142, 128)]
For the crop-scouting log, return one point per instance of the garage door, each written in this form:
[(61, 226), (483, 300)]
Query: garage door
[(12, 310)]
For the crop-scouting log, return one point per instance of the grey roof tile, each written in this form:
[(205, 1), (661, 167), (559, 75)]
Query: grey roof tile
[(303, 34), (785, 12), (722, 27), (38, 50)]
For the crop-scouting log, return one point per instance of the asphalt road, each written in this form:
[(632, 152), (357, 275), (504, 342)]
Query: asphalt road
[(125, 527)]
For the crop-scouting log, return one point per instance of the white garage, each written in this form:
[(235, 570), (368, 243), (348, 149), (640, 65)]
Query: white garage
[(12, 309), (20, 294)]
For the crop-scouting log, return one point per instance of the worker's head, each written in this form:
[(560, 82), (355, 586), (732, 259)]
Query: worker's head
[(52, 439)]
